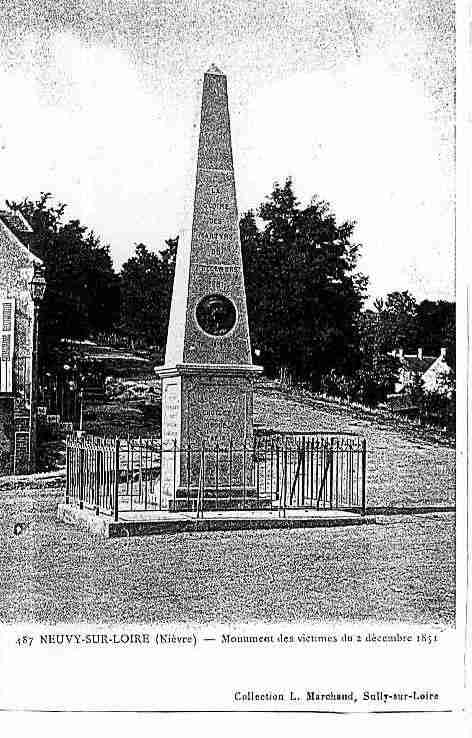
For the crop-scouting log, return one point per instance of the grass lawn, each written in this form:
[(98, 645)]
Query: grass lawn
[(406, 467), (119, 418), (399, 570)]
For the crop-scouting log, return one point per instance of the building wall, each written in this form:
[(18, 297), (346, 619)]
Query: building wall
[(7, 435), (16, 271), (436, 379)]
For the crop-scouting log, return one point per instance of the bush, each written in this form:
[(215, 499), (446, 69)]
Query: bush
[(49, 448), (439, 409)]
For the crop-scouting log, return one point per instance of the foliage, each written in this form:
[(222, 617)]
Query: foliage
[(337, 385), (398, 322), (437, 407), (376, 379), (304, 294), (302, 288), (437, 328), (146, 292), (404, 323), (49, 449), (369, 384), (82, 294)]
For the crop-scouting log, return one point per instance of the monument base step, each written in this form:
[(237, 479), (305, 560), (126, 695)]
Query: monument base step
[(236, 498), (164, 522), (190, 505)]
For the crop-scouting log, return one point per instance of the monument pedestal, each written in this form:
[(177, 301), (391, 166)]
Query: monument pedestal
[(207, 435)]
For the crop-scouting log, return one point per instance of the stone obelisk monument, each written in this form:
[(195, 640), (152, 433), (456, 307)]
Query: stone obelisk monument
[(207, 379)]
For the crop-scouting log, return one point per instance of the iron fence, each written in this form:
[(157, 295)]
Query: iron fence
[(322, 471), (286, 471)]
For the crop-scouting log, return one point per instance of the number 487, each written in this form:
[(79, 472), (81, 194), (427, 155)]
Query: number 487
[(24, 641)]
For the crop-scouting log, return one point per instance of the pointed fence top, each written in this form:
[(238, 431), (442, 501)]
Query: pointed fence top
[(214, 70)]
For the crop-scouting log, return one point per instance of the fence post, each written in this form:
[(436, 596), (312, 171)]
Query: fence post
[(140, 482), (117, 478), (230, 471), (244, 474), (96, 477), (364, 465), (201, 482), (67, 472), (278, 489), (160, 475), (217, 471), (285, 473), (174, 449), (81, 410), (304, 450), (255, 466), (81, 477), (331, 470), (188, 472), (100, 474)]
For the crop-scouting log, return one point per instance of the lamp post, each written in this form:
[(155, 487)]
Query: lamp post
[(37, 290)]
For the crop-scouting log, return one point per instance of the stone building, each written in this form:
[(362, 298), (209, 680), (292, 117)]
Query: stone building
[(22, 287)]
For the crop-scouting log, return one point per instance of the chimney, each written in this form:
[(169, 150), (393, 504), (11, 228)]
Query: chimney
[(443, 354), (420, 354)]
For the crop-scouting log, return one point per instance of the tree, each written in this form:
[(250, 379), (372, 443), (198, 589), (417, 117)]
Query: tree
[(378, 370), (437, 407), (302, 289), (146, 291), (398, 317), (82, 295), (429, 325), (437, 328)]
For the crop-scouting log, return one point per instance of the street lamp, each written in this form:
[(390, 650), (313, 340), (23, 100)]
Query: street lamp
[(37, 290), (38, 285)]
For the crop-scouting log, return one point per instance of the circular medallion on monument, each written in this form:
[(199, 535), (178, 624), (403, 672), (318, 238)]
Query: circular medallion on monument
[(216, 315)]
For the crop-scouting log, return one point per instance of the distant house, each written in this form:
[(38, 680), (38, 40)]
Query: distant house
[(21, 272), (433, 371)]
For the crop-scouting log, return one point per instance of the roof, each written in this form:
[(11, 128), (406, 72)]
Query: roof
[(414, 364), (15, 221), (17, 228)]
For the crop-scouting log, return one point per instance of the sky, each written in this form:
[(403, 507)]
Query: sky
[(354, 99)]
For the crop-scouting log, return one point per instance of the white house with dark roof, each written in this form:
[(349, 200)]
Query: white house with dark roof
[(21, 273), (434, 371)]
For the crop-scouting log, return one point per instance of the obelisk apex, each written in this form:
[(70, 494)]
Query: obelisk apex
[(213, 69), (214, 148)]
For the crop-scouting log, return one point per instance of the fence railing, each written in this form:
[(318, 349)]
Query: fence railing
[(322, 471), (296, 471)]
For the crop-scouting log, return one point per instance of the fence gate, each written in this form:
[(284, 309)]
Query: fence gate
[(326, 472)]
